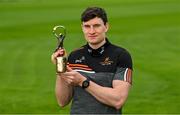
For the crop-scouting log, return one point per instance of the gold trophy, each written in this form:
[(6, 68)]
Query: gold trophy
[(61, 60)]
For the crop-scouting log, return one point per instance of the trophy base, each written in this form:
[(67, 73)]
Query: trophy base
[(61, 63)]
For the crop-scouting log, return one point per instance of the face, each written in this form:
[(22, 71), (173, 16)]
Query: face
[(95, 31)]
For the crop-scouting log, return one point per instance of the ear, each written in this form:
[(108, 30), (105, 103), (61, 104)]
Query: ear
[(82, 27), (107, 26)]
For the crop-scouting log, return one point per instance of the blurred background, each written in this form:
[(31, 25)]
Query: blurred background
[(149, 29)]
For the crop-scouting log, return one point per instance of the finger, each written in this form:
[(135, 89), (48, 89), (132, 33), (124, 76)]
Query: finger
[(71, 73), (69, 69), (58, 52), (59, 74), (69, 77), (61, 51), (53, 59), (70, 81), (67, 80)]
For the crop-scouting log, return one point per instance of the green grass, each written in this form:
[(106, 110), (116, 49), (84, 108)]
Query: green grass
[(149, 29)]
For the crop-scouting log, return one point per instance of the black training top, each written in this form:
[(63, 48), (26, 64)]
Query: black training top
[(102, 66)]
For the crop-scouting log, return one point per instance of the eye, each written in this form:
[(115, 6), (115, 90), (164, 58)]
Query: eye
[(86, 26), (96, 25)]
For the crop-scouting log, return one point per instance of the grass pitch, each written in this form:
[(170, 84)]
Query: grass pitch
[(149, 29)]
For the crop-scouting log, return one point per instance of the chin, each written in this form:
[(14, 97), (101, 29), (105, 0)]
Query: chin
[(94, 42)]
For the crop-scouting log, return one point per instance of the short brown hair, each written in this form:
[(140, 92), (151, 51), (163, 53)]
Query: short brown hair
[(92, 12)]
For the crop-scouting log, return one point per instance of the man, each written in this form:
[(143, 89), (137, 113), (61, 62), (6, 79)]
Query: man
[(99, 74)]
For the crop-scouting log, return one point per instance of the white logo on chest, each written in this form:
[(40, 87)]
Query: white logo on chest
[(80, 60)]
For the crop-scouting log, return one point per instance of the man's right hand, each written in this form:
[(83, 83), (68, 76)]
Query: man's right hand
[(56, 54)]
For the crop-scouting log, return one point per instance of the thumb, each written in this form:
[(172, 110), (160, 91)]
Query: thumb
[(69, 69)]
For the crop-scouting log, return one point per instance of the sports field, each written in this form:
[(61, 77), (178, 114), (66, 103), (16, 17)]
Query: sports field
[(149, 29)]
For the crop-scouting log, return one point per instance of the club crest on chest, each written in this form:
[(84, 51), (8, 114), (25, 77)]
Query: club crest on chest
[(106, 61)]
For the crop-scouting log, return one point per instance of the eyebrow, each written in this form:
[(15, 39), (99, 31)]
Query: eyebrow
[(92, 25)]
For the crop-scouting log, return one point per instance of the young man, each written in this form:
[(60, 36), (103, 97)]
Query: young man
[(99, 74)]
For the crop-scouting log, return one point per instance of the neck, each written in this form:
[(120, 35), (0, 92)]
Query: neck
[(96, 46)]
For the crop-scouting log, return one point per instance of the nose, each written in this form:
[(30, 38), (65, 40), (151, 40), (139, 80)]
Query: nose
[(92, 30)]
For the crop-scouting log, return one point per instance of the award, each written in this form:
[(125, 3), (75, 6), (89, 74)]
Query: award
[(61, 61)]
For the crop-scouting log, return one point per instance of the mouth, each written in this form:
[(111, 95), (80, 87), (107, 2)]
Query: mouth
[(92, 36)]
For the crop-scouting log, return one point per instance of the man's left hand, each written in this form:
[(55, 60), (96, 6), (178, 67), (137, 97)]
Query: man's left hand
[(73, 77)]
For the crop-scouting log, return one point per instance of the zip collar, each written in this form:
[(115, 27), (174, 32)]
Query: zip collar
[(97, 52)]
